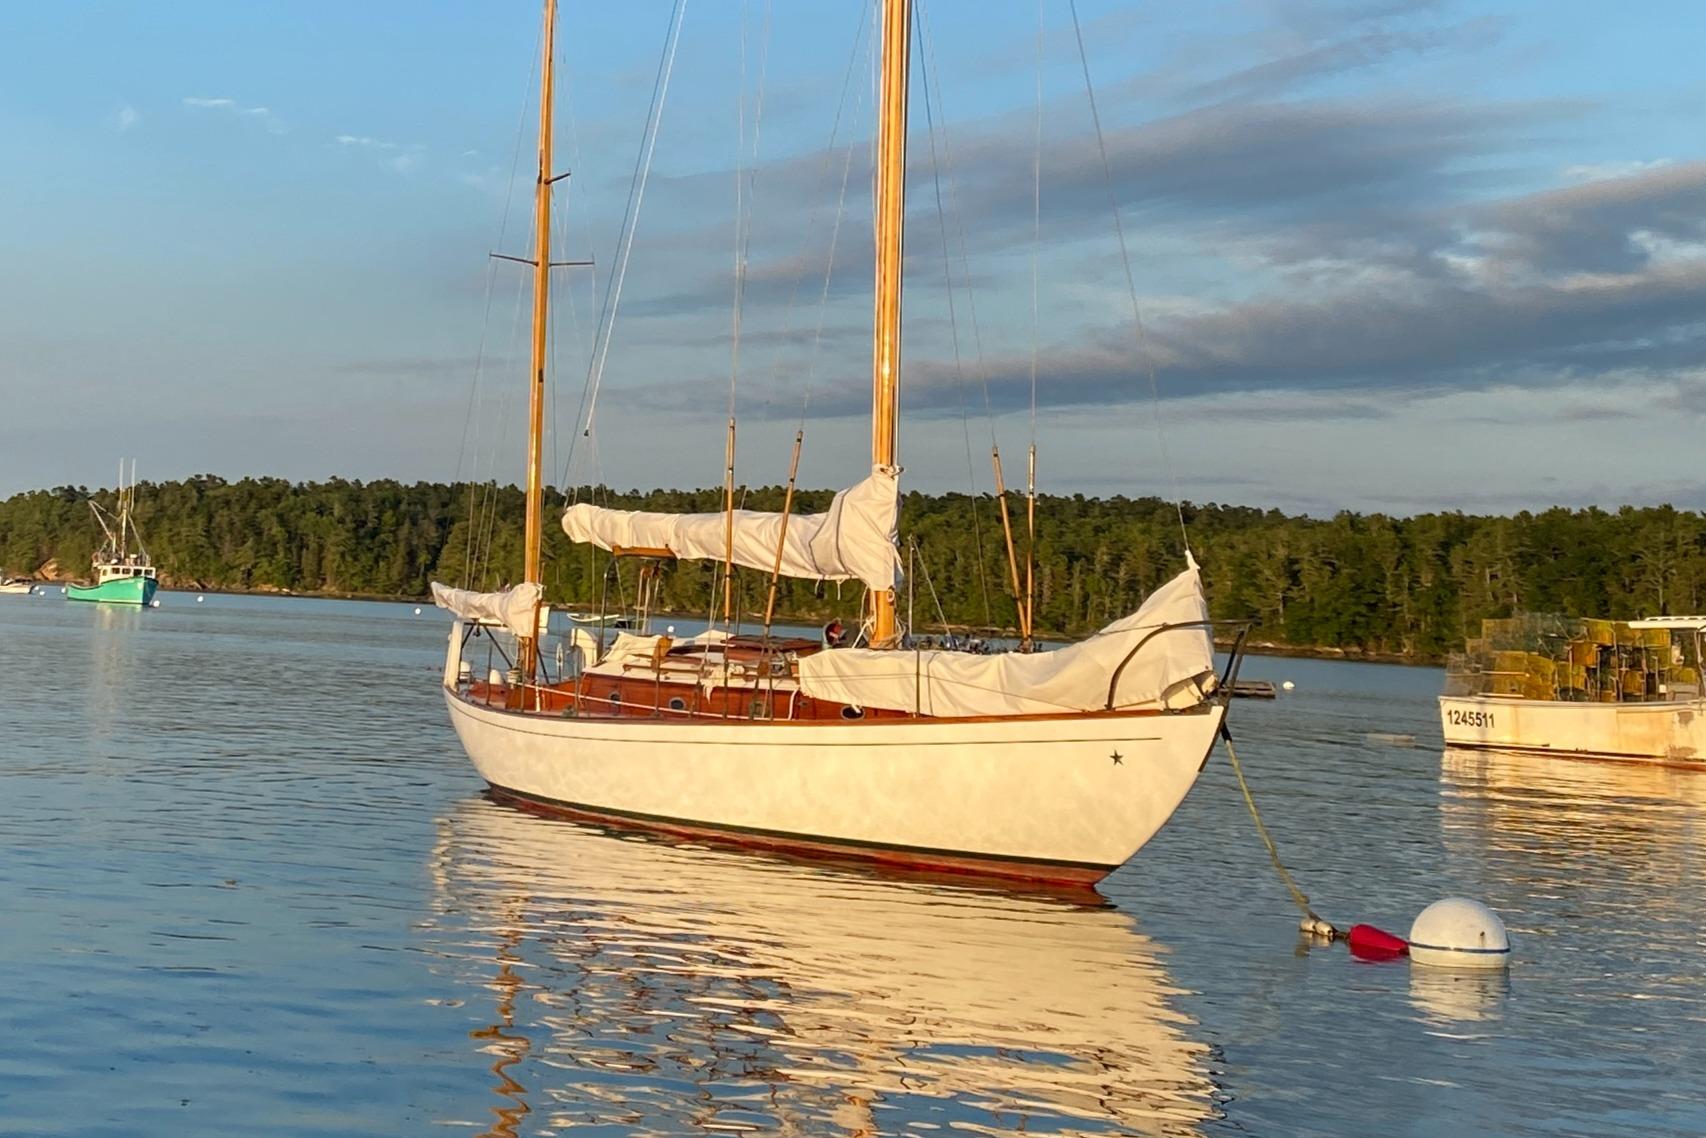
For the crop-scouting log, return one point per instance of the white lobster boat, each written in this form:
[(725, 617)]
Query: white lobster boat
[(1638, 699), (1055, 765)]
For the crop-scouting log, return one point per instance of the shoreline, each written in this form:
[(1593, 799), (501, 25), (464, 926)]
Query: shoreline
[(1353, 655)]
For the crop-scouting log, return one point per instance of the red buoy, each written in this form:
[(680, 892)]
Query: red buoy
[(1369, 943)]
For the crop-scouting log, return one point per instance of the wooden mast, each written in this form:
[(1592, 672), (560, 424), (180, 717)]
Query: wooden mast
[(528, 649), (890, 221)]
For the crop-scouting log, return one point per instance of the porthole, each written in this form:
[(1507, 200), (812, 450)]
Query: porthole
[(615, 698), (852, 713), (676, 703)]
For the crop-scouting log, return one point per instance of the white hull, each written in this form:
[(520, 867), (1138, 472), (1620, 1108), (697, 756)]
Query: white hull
[(1059, 798), (1673, 732), (16, 590)]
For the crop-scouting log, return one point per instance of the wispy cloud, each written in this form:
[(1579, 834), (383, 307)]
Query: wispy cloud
[(262, 115), (1595, 171), (403, 157), (126, 117)]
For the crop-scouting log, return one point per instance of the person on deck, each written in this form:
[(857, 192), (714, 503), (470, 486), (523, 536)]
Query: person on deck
[(834, 634)]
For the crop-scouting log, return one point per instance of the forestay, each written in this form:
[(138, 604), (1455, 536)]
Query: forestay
[(1175, 669), (516, 609), (854, 540)]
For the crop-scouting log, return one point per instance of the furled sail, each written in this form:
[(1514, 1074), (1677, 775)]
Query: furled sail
[(516, 609), (1174, 669), (854, 540)]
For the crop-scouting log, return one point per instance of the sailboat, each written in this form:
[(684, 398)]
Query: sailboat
[(124, 573), (1054, 766)]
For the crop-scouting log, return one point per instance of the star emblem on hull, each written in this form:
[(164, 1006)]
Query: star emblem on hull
[(1116, 756)]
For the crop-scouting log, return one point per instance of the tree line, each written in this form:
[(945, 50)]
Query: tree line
[(1402, 587)]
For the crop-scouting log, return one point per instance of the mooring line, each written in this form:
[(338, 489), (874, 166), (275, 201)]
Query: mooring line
[(1312, 921)]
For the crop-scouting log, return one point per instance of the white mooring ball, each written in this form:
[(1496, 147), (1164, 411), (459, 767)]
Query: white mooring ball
[(156, 604), (1288, 685), (1459, 933), (417, 610)]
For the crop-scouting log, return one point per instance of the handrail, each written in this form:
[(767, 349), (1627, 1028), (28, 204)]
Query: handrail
[(1231, 664)]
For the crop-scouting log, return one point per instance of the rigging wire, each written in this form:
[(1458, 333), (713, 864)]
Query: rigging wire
[(933, 77), (505, 429), (569, 202), (587, 412), (924, 567), (745, 186), (926, 62), (475, 520), (1036, 332), (1036, 217), (1131, 283), (564, 208), (794, 287)]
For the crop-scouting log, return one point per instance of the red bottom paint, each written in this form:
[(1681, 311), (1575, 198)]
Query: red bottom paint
[(1369, 943), (912, 862)]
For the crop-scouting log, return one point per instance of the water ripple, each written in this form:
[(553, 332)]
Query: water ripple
[(248, 876)]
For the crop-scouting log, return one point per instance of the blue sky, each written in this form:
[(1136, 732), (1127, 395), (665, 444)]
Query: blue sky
[(1390, 255)]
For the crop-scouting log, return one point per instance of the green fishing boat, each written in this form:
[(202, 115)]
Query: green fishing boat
[(127, 585), (124, 573)]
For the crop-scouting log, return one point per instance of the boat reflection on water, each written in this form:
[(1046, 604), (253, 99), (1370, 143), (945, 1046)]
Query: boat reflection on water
[(1568, 819), (116, 676), (648, 987), (1600, 848)]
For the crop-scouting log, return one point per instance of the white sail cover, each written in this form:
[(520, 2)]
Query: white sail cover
[(854, 540), (1174, 669), (515, 608)]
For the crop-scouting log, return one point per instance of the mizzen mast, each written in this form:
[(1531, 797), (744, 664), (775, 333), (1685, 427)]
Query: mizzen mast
[(890, 223), (528, 647)]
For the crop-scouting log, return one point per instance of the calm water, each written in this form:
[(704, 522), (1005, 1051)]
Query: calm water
[(249, 886)]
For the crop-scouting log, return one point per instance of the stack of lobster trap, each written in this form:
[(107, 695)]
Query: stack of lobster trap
[(1544, 657)]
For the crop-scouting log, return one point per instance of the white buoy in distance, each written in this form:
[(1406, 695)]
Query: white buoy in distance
[(1288, 685), (1459, 933), (417, 610), (198, 600), (156, 604)]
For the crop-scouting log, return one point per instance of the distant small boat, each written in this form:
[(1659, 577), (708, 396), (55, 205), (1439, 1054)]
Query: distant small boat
[(123, 575), (16, 586)]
